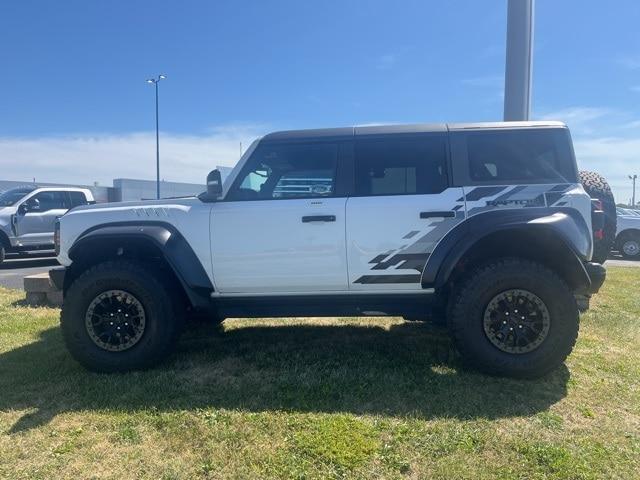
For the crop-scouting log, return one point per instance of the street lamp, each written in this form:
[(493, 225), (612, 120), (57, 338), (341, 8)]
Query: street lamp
[(633, 197), (155, 82)]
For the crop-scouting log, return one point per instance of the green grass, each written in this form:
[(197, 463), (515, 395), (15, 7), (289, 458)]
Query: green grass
[(322, 398)]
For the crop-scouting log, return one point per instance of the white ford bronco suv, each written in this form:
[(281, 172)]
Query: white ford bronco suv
[(485, 225)]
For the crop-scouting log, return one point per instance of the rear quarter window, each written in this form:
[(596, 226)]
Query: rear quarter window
[(77, 198), (523, 156)]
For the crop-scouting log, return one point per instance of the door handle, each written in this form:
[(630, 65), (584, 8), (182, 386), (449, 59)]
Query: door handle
[(319, 218), (434, 214)]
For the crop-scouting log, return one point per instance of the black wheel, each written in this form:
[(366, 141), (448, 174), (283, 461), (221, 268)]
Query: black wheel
[(597, 187), (628, 244), (515, 318), (120, 316)]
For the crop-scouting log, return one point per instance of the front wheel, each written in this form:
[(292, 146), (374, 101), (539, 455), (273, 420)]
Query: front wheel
[(120, 316), (514, 317)]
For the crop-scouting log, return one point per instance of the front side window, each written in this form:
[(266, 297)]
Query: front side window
[(283, 171), (44, 201), (398, 166)]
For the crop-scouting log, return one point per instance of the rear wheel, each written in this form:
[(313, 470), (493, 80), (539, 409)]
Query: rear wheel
[(597, 187), (514, 317), (120, 316), (628, 245)]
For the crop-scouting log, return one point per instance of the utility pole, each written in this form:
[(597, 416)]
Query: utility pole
[(155, 82), (633, 196), (519, 60)]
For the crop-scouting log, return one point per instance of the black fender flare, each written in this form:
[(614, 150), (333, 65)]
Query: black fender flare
[(170, 242), (564, 224)]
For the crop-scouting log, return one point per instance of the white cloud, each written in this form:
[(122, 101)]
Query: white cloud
[(605, 141), (613, 157), (83, 159), (579, 119)]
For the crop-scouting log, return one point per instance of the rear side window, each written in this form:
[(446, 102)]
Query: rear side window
[(516, 156), (401, 166), (77, 199)]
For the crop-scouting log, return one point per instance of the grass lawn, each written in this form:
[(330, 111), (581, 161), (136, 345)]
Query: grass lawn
[(322, 398)]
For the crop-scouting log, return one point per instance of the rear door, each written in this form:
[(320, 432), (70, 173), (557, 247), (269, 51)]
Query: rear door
[(281, 227), (402, 206)]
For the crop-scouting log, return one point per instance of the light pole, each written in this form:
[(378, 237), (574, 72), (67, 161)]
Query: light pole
[(518, 66), (633, 197), (155, 82)]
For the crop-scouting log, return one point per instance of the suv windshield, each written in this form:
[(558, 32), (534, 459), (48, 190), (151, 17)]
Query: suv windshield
[(10, 197)]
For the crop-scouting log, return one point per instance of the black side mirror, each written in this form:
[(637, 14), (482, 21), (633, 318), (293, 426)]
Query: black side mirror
[(214, 187)]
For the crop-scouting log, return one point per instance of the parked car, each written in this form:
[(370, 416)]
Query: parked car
[(28, 215), (487, 223), (628, 235), (628, 211)]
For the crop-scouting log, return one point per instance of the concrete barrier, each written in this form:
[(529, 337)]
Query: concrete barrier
[(41, 291)]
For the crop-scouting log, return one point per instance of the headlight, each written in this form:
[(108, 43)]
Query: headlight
[(56, 237)]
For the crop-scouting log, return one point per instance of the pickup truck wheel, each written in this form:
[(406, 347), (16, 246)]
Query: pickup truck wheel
[(628, 245), (120, 316), (515, 318)]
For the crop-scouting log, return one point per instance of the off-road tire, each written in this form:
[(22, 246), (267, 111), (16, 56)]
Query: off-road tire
[(471, 298), (597, 187), (162, 308), (624, 237)]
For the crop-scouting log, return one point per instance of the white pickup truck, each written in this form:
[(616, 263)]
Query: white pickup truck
[(628, 233), (28, 215)]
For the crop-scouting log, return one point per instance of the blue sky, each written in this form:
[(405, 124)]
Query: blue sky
[(74, 105)]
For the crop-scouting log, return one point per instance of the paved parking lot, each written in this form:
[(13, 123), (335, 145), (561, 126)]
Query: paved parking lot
[(12, 271), (615, 259)]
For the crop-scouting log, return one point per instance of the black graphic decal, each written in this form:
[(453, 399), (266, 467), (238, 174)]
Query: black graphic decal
[(406, 261), (481, 192), (370, 279)]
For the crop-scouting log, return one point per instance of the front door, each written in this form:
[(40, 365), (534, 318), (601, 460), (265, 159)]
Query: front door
[(402, 207), (281, 227), (36, 217)]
